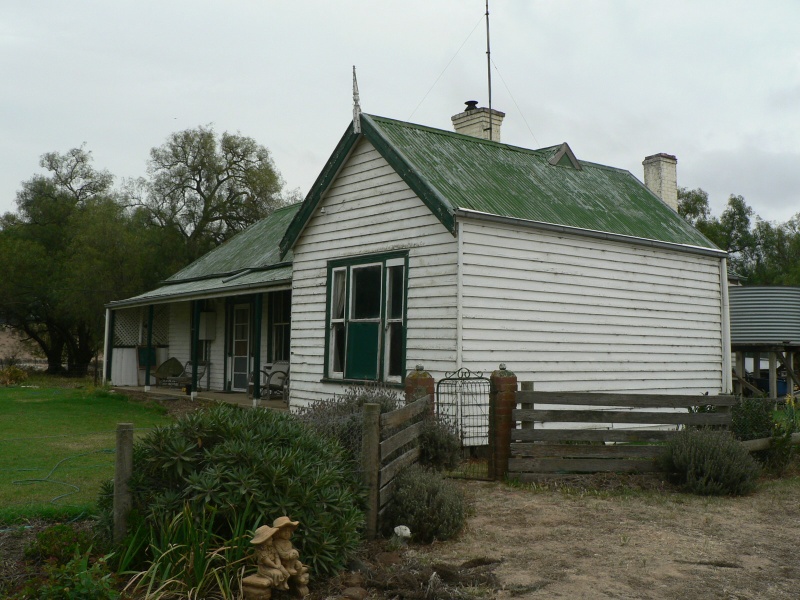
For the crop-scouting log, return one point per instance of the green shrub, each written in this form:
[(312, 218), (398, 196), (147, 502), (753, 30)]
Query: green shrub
[(12, 375), (751, 418), (79, 578), (710, 462), (431, 506), (440, 445), (58, 544), (782, 451), (232, 470), (341, 417)]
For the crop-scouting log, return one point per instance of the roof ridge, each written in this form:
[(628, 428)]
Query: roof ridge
[(543, 152)]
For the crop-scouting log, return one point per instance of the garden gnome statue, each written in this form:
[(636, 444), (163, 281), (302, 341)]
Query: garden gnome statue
[(289, 556), (271, 574), (279, 566)]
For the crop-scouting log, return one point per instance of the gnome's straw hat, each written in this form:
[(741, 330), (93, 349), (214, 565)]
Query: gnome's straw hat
[(281, 522), (263, 533)]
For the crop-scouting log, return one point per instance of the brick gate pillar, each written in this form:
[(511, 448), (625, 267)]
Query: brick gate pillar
[(502, 400), (419, 383)]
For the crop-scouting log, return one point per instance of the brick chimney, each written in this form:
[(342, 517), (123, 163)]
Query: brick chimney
[(661, 177), (475, 121)]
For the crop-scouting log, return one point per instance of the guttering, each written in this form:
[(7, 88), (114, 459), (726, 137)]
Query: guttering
[(601, 235), (228, 274), (199, 295), (239, 274)]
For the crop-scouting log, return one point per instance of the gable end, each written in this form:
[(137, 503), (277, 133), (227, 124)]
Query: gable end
[(440, 208), (319, 188)]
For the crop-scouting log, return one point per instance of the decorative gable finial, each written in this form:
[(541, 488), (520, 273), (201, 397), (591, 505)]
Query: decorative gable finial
[(356, 105)]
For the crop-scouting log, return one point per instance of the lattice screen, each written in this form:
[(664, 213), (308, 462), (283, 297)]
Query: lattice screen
[(130, 326), (127, 326), (161, 325)]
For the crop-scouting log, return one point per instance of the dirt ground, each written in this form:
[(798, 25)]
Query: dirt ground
[(570, 543), (652, 544)]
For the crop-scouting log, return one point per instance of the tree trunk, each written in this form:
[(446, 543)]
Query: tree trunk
[(54, 352), (50, 341), (79, 352)]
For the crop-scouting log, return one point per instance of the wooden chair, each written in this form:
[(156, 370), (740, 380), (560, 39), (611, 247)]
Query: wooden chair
[(168, 371), (276, 379), (174, 374)]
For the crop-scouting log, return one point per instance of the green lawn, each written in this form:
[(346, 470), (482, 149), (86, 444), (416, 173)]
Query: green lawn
[(57, 446)]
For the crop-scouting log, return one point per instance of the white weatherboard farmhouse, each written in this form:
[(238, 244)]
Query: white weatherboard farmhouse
[(422, 246)]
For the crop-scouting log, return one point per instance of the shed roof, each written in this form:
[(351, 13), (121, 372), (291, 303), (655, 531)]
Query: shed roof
[(452, 172)]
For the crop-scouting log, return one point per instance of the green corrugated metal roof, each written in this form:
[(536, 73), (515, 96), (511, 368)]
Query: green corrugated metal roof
[(254, 248), (490, 177), (228, 285), (249, 260)]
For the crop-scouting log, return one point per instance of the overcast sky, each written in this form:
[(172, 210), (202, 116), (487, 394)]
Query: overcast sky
[(714, 82)]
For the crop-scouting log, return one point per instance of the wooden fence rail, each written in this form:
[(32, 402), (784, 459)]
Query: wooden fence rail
[(557, 434), (379, 462)]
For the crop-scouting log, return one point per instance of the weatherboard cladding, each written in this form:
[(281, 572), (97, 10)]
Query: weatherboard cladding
[(580, 314), (764, 315)]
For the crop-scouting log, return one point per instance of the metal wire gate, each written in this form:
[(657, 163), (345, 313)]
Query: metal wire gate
[(462, 401)]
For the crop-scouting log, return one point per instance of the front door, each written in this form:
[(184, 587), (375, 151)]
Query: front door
[(240, 367)]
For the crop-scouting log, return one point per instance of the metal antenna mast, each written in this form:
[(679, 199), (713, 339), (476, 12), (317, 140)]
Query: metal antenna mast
[(489, 69)]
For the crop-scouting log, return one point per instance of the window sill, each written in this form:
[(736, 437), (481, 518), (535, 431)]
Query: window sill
[(390, 384)]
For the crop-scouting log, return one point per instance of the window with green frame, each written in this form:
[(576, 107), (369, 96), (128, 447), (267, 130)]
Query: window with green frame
[(281, 324), (366, 318)]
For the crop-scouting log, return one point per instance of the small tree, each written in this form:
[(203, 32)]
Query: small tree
[(209, 187)]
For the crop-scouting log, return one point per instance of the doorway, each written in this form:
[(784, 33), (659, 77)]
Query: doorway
[(240, 355)]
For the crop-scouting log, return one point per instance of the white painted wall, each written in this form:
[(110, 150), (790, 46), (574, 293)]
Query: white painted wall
[(577, 314), (217, 349), (369, 209), (180, 342)]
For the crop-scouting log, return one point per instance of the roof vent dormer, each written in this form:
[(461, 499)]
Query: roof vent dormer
[(565, 157)]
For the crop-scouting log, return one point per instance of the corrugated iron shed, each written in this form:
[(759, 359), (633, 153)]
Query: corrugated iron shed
[(764, 316)]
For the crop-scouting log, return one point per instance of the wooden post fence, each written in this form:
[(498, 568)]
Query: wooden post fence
[(383, 459), (122, 473)]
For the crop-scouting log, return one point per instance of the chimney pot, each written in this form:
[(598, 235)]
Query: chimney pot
[(478, 122), (661, 177)]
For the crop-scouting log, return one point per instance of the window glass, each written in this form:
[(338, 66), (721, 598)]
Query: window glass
[(337, 291), (366, 290), (281, 324), (395, 293), (337, 347), (395, 350)]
